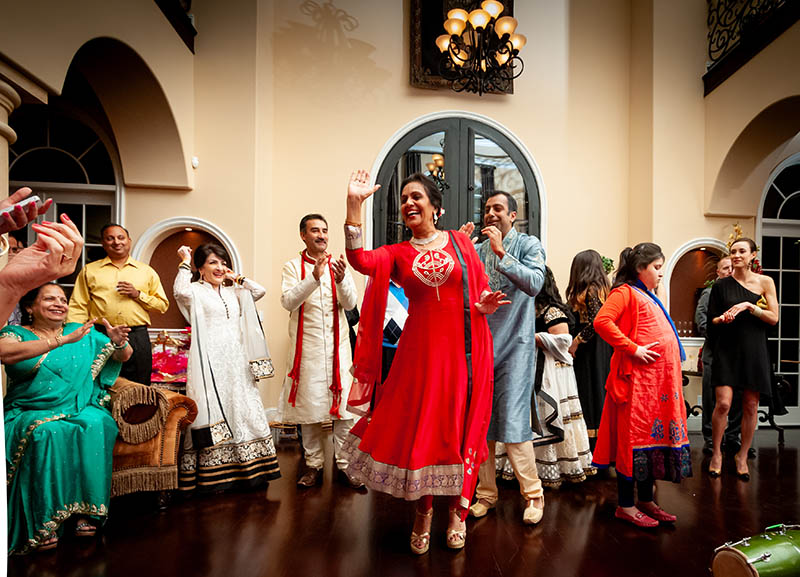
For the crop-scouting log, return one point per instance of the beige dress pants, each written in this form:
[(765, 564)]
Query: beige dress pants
[(314, 439), (523, 461)]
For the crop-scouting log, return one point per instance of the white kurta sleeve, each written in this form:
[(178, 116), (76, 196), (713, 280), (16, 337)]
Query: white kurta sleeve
[(181, 288), (346, 292), (294, 291), (255, 289)]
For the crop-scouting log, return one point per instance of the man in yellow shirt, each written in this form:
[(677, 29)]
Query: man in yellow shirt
[(122, 291)]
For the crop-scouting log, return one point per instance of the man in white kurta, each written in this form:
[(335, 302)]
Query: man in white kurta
[(307, 285)]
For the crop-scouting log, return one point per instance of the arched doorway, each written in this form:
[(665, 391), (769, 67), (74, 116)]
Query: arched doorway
[(469, 156), (779, 230)]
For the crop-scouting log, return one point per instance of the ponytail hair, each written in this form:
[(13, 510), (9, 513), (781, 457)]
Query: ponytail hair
[(633, 260)]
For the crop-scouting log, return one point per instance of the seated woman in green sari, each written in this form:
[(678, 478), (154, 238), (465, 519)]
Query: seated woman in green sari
[(59, 433)]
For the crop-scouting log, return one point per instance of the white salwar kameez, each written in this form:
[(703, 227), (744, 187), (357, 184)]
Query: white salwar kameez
[(229, 444)]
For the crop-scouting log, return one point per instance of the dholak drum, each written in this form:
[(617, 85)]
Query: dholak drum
[(774, 553)]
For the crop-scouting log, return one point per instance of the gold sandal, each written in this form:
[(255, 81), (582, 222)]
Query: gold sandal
[(420, 543), (456, 538)]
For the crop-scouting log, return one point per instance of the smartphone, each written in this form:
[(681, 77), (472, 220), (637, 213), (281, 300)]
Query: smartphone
[(23, 203)]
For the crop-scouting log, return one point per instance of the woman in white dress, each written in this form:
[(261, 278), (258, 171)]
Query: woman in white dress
[(562, 452), (229, 446)]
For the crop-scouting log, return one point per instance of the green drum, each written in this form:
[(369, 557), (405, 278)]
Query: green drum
[(774, 553)]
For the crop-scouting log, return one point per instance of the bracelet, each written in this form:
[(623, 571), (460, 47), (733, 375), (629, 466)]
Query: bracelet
[(756, 311), (351, 223), (185, 265), (59, 341), (239, 279), (120, 346), (49, 344)]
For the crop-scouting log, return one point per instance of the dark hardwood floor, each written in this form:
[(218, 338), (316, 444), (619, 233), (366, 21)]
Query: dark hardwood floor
[(333, 531)]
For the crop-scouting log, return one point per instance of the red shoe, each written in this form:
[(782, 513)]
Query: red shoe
[(639, 519), (656, 512)]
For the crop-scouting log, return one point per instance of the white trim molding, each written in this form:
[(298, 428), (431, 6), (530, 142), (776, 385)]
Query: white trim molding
[(152, 237), (443, 114), (707, 242)]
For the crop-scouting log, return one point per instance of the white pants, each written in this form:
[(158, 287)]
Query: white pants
[(314, 438)]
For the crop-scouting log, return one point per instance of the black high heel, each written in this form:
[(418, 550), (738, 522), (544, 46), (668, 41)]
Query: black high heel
[(714, 473), (743, 476)]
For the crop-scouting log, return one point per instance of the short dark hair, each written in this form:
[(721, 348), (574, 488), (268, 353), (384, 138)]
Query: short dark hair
[(111, 225), (431, 190), (312, 216), (203, 251), (633, 259), (510, 200)]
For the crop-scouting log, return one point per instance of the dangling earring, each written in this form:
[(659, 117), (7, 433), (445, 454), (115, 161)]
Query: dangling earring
[(435, 218)]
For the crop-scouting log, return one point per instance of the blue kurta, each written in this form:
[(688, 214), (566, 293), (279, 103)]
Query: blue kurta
[(520, 274)]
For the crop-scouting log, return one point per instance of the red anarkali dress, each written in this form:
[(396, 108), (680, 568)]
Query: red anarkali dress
[(427, 433)]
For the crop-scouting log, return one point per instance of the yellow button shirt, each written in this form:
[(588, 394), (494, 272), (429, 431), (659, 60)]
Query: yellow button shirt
[(95, 294)]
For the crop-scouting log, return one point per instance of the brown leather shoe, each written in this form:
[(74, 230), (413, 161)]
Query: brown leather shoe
[(310, 478), (346, 480)]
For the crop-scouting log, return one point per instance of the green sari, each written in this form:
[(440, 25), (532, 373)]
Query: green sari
[(59, 436)]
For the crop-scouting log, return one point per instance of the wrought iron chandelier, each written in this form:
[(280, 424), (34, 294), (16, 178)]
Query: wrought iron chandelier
[(436, 172), (480, 50)]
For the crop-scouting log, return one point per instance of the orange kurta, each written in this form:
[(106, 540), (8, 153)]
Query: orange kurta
[(643, 427)]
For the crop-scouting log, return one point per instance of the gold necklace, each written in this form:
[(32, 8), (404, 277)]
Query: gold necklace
[(59, 333)]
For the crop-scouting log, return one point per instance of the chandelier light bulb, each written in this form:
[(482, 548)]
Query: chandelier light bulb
[(502, 58), (443, 42), (458, 14), (479, 19), (431, 167), (438, 159), (505, 25), (454, 26), (518, 41), (493, 7)]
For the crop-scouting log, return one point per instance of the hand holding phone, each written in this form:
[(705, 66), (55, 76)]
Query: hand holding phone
[(19, 209)]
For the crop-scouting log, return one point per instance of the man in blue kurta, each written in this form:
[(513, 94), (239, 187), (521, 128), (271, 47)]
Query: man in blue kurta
[(515, 263)]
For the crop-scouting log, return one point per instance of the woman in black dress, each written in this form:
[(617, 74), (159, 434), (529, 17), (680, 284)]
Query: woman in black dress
[(741, 308), (586, 292)]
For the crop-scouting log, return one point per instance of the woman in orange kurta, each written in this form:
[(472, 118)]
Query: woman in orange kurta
[(643, 428)]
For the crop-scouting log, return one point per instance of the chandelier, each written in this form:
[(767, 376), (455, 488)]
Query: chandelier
[(480, 50), (436, 172)]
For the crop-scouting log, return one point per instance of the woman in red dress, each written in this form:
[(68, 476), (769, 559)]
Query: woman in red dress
[(427, 434), (643, 428)]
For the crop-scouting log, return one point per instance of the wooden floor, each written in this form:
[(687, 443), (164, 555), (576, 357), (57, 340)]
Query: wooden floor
[(333, 531)]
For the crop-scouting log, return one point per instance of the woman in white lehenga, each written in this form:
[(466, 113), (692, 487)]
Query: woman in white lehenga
[(229, 446), (562, 452)]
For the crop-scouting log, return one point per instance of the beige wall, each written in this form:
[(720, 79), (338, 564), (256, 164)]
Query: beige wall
[(280, 105), (40, 37)]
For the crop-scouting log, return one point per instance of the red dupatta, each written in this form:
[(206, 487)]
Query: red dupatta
[(294, 374)]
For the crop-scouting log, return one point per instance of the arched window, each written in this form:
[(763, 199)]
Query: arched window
[(780, 258), (469, 159), (61, 157)]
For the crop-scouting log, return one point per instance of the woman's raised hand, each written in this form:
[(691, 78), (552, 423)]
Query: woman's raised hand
[(644, 354), (185, 254), (79, 333), (359, 188), (117, 334), (491, 301)]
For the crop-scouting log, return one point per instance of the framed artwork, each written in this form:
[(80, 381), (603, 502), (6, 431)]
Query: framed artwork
[(427, 18)]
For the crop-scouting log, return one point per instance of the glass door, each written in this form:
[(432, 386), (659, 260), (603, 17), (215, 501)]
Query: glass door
[(468, 160)]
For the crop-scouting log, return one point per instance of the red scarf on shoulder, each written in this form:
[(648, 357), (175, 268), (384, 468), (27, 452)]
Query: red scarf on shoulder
[(294, 374)]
